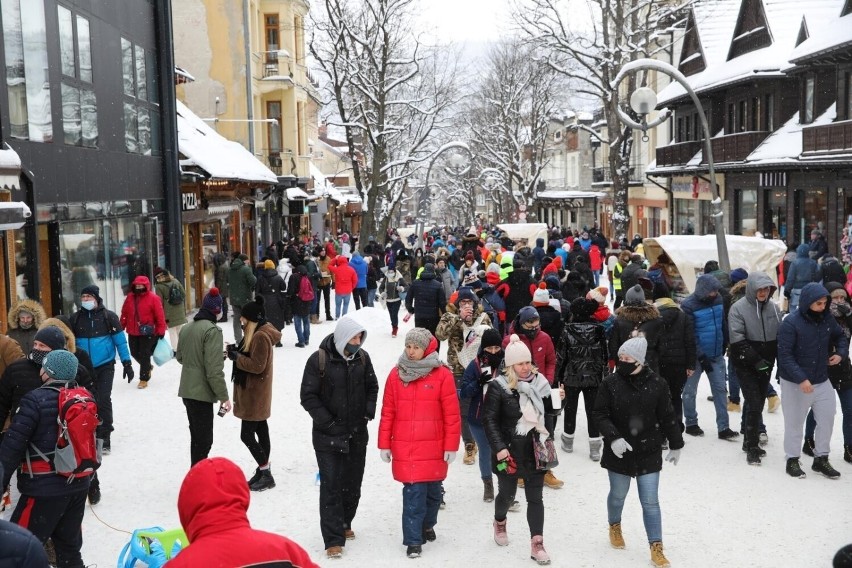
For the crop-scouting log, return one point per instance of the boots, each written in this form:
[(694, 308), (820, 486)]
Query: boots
[(393, 331), (658, 559), (822, 466), (595, 446), (616, 539), (501, 537), (733, 406), (773, 402), (469, 453), (537, 551), (253, 479), (808, 447), (488, 490), (264, 482), (551, 481), (847, 454), (568, 443), (142, 385)]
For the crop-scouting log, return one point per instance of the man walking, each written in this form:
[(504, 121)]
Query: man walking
[(426, 299), (241, 282)]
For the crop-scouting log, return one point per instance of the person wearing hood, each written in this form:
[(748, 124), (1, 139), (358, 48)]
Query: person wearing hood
[(339, 390), (241, 283), (426, 300), (538, 256), (202, 375), (359, 293), (818, 247), (252, 377), (637, 318), (175, 313), (802, 271), (345, 281), (753, 329), (419, 391), (832, 270), (549, 313), (634, 413), (143, 319), (273, 289), (213, 504), (809, 342), (25, 317), (284, 269), (677, 347), (518, 286)]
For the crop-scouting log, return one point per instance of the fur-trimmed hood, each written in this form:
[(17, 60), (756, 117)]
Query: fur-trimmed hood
[(31, 306), (638, 313), (70, 343)]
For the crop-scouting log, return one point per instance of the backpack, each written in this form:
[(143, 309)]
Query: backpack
[(306, 289), (176, 295), (78, 452)]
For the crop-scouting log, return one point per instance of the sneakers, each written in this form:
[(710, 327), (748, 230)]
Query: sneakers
[(551, 481), (616, 539), (501, 537), (349, 534), (773, 402), (515, 507), (488, 490), (567, 443), (694, 430), (414, 551), (763, 439), (334, 552), (753, 456), (728, 435), (734, 406), (794, 469), (658, 559), (94, 493), (822, 466), (537, 551), (429, 535), (264, 482), (808, 447), (469, 454), (142, 385), (595, 446)]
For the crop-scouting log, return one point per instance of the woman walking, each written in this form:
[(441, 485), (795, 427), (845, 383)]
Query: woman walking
[(419, 431), (143, 319), (252, 377), (634, 413), (515, 406), (391, 287)]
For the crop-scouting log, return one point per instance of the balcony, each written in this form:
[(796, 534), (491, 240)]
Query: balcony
[(736, 147), (274, 163), (604, 175), (835, 138), (677, 154)]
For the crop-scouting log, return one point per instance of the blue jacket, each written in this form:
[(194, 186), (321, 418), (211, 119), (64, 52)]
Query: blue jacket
[(802, 271), (538, 254), (708, 317), (563, 254), (806, 340), (99, 332), (358, 263), (470, 388)]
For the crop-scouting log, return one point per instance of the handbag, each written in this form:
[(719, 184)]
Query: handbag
[(545, 453), (146, 330)]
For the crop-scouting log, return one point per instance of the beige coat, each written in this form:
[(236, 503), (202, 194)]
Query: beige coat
[(254, 402)]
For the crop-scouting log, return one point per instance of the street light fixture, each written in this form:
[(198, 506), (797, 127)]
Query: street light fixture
[(643, 101), (460, 164)]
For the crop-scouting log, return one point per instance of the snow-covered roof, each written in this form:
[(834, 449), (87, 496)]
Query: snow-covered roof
[(567, 194), (324, 188), (833, 35), (785, 144), (10, 168), (215, 154)]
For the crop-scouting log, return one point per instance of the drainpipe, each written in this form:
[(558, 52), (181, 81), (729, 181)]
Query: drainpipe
[(249, 99)]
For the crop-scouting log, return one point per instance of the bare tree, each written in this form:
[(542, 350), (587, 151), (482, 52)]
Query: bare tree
[(591, 54)]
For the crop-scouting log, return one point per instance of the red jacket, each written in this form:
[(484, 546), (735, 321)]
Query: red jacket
[(543, 353), (595, 258), (330, 251), (345, 277), (145, 309), (420, 421), (212, 505)]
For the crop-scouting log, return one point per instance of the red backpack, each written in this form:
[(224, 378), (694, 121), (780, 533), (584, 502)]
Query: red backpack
[(306, 289)]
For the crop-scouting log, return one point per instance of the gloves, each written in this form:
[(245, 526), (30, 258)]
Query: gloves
[(762, 365), (232, 352), (128, 371), (620, 446), (449, 457), (673, 456), (705, 364), (484, 377), (386, 455)]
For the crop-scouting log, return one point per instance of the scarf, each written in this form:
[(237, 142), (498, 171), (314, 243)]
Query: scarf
[(412, 370), (531, 400)]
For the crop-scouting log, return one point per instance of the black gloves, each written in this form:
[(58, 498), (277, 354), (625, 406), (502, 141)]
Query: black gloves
[(705, 364), (128, 371), (232, 352), (484, 377)]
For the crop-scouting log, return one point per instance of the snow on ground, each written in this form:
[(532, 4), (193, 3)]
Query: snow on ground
[(717, 511)]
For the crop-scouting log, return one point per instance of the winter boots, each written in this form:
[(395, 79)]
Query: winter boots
[(734, 406), (551, 481), (694, 430), (822, 466), (773, 402), (315, 318), (253, 479), (794, 469), (595, 447), (264, 482), (568, 443), (429, 535), (488, 491), (393, 331), (142, 385), (501, 537), (469, 453), (658, 559), (414, 551), (334, 552), (616, 539), (847, 454), (728, 435), (808, 447), (753, 456), (537, 551)]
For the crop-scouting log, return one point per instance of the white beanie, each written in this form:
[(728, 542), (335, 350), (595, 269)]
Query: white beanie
[(516, 352), (541, 296), (635, 348), (597, 294)]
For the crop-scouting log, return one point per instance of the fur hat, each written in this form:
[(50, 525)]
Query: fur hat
[(51, 336), (60, 365), (582, 309), (419, 336), (527, 313), (635, 348), (635, 296), (516, 352), (254, 311), (491, 338), (466, 293), (597, 294), (541, 296), (212, 301), (268, 264), (738, 274)]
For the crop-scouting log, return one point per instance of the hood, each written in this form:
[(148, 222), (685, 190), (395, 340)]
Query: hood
[(342, 260), (539, 242), (70, 344), (31, 306), (236, 264), (270, 330), (706, 285), (141, 281), (357, 259), (756, 281), (213, 498), (810, 294), (433, 346), (638, 313), (346, 329), (802, 251)]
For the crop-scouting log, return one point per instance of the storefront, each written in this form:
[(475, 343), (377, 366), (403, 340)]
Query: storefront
[(691, 200)]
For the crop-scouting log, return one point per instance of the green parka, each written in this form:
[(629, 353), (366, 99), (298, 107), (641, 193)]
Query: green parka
[(200, 351), (241, 282), (175, 314)]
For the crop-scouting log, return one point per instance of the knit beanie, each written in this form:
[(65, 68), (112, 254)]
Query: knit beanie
[(91, 290), (491, 338), (469, 278), (268, 264), (541, 297), (212, 301), (254, 311), (419, 336), (635, 296), (582, 309), (738, 274), (526, 314), (51, 336), (469, 255), (60, 365), (597, 294), (516, 352), (635, 348), (493, 267), (466, 293)]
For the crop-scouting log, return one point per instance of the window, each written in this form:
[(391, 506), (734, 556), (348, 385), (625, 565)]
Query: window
[(141, 99), (849, 95), (754, 115), (808, 100), (741, 116), (769, 110), (557, 136), (731, 126), (273, 133), (272, 35), (747, 211), (79, 105)]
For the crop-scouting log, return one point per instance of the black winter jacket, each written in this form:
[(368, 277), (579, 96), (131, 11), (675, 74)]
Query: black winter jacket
[(20, 547), (426, 298), (341, 400), (677, 338), (298, 306), (515, 291), (638, 409), (581, 360), (630, 276), (272, 287), (551, 323), (641, 319)]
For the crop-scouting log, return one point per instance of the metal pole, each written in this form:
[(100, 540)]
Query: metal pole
[(424, 198)]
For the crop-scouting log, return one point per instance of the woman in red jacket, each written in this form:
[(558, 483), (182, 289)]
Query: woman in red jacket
[(345, 280), (143, 319), (419, 430)]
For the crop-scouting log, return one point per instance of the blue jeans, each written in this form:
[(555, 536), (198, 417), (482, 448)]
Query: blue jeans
[(647, 485), (845, 397), (341, 300), (420, 504), (303, 328), (733, 383), (717, 387), (371, 297), (483, 449)]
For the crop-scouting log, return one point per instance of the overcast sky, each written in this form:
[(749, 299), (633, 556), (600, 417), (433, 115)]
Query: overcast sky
[(462, 21)]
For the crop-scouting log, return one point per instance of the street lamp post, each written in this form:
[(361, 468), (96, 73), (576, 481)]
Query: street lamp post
[(460, 163), (492, 178), (643, 101)]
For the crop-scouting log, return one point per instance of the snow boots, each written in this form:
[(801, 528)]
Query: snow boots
[(501, 537), (429, 535), (616, 539), (595, 447), (253, 479), (264, 482), (568, 443), (822, 466), (393, 331), (658, 559), (794, 469), (537, 551), (334, 552), (488, 490), (469, 453), (808, 447)]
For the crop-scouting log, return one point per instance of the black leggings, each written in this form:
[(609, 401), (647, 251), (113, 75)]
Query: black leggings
[(572, 401), (507, 486), (255, 435)]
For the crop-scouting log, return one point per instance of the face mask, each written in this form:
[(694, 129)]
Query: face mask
[(351, 349), (37, 356), (493, 359), (26, 325), (88, 305), (530, 333), (625, 368), (139, 290)]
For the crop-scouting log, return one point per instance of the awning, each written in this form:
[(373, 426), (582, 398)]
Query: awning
[(296, 193), (10, 169), (222, 207)]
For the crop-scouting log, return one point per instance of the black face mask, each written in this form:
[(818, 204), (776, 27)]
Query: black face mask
[(37, 356), (493, 360), (139, 290), (625, 368), (530, 333)]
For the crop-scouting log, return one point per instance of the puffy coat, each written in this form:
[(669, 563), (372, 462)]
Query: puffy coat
[(202, 375), (632, 320), (541, 348), (708, 317), (324, 271), (538, 255), (254, 400), (832, 270), (802, 271), (638, 409), (19, 547), (359, 265), (595, 258), (470, 388), (445, 277), (677, 338), (425, 297), (25, 337), (299, 307), (175, 314), (516, 290), (582, 356), (241, 282), (142, 309), (272, 287), (452, 330), (212, 504), (551, 322), (420, 421), (345, 278), (807, 340), (630, 275), (99, 333), (10, 352), (753, 326), (391, 286)]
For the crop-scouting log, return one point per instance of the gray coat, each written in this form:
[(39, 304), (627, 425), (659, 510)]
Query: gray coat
[(445, 277), (750, 320)]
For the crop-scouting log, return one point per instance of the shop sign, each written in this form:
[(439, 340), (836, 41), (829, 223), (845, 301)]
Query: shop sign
[(694, 187), (189, 202)]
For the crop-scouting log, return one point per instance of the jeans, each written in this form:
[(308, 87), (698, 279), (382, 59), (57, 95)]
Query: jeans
[(420, 504), (255, 435), (371, 297), (507, 486), (845, 397), (393, 312), (716, 375), (303, 328), (733, 383), (238, 331), (341, 300), (754, 385), (484, 450), (572, 401), (464, 407), (597, 276), (340, 488), (103, 379), (796, 405), (200, 417), (647, 486), (794, 300)]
